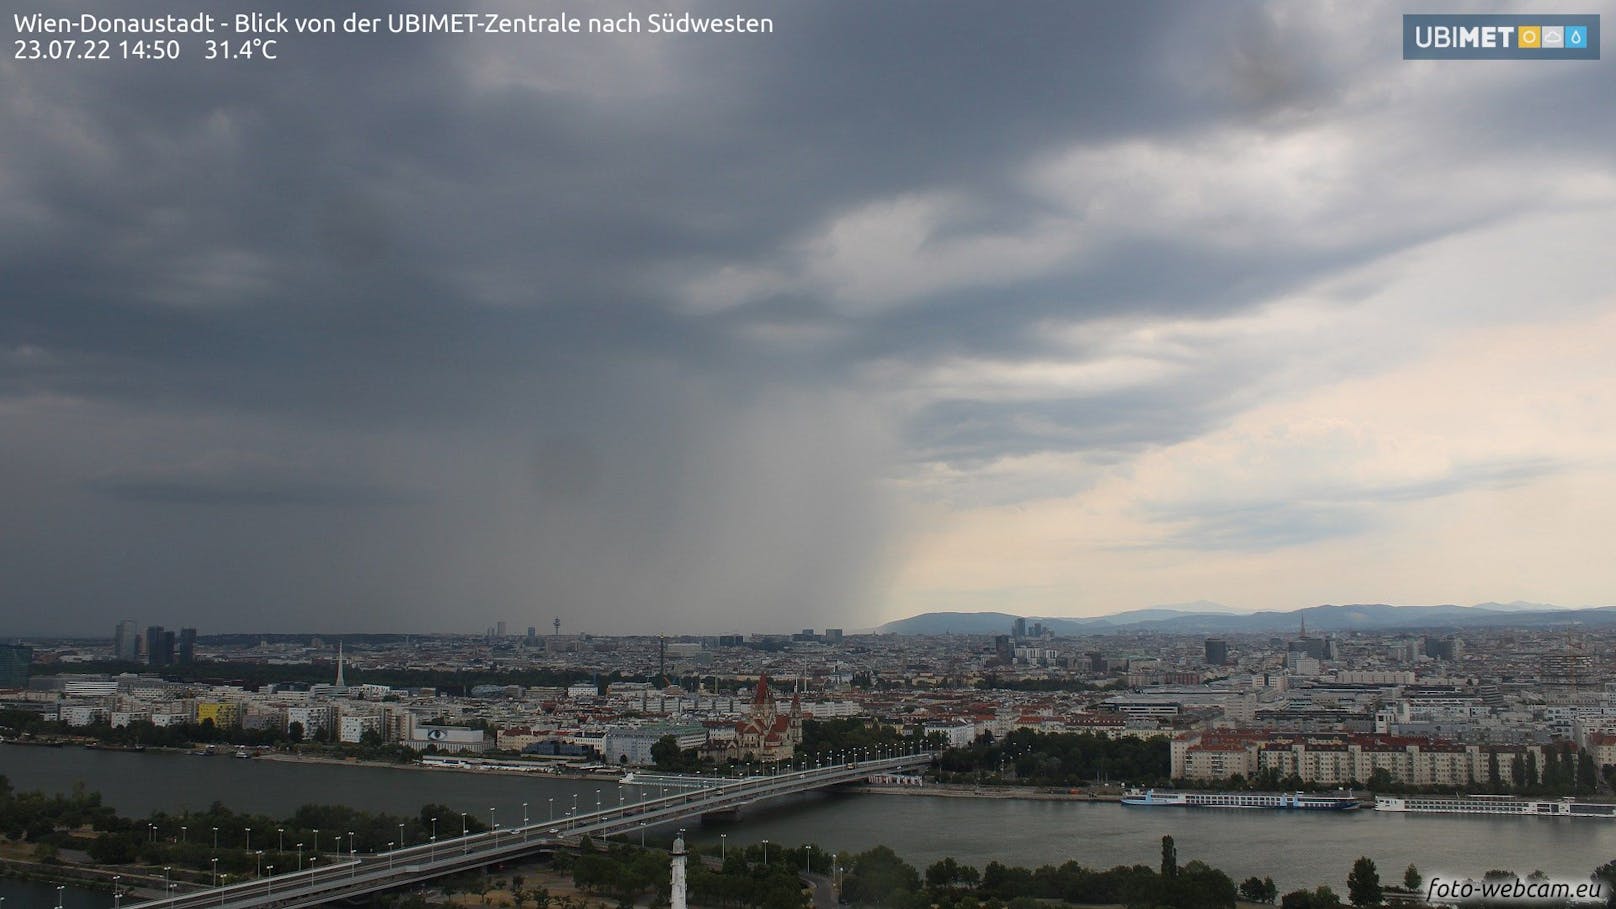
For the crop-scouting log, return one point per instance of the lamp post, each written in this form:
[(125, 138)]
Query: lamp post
[(166, 870), (524, 822), (117, 892), (215, 863), (353, 858), (493, 828), (351, 847), (642, 833), (552, 808), (401, 836), (60, 889), (258, 857), (182, 834), (216, 837), (597, 801), (389, 856), (434, 828), (723, 846), (280, 840), (765, 853), (808, 858), (300, 856), (269, 882), (248, 847), (465, 845), (316, 849)]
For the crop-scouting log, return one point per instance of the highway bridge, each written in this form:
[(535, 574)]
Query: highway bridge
[(359, 875)]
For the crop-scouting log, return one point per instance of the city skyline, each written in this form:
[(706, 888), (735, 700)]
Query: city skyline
[(1149, 304)]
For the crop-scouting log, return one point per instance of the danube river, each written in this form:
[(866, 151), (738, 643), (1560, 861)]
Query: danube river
[(1295, 849)]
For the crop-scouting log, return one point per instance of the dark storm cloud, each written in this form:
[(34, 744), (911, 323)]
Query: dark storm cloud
[(445, 275)]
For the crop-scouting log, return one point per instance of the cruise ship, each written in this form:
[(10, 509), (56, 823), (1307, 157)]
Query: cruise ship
[(1494, 805), (1292, 801)]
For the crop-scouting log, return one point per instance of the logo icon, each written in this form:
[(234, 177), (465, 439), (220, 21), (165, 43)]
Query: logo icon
[(1529, 36), (1576, 36), (1553, 36)]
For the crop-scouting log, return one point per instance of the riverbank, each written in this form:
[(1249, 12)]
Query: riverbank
[(543, 770), (963, 791)]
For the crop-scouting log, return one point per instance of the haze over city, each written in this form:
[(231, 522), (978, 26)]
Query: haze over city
[(901, 308)]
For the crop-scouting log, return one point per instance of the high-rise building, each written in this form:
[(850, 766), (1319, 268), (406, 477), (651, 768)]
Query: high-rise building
[(126, 641), (170, 643), (154, 645), (14, 662), (833, 634), (1217, 652), (499, 629), (187, 650), (1019, 629)]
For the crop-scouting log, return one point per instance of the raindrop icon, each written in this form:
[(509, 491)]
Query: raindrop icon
[(1576, 38)]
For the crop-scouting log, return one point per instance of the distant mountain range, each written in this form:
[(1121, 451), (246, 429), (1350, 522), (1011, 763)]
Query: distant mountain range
[(1203, 617)]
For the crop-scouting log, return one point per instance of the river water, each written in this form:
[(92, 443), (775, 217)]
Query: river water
[(1296, 849)]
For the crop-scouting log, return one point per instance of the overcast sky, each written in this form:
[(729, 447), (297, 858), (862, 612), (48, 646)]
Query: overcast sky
[(1053, 309)]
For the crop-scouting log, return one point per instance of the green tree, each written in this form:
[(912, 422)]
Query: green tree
[(1169, 858), (1363, 884), (1412, 880)]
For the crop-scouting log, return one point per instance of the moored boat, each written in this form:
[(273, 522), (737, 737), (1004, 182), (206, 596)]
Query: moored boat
[(1289, 801)]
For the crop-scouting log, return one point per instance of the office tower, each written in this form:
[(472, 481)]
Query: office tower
[(169, 642), (126, 641), (154, 645), (499, 629), (1217, 652), (187, 652), (833, 634), (14, 662), (1019, 630)]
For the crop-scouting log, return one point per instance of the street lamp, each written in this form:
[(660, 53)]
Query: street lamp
[(493, 828), (434, 828), (259, 858), (248, 847), (524, 822), (389, 856), (597, 801), (216, 837), (59, 890), (300, 856), (765, 853), (215, 862), (808, 858), (465, 846), (182, 835), (642, 833), (117, 893), (552, 808), (280, 842), (401, 836), (316, 841), (723, 846)]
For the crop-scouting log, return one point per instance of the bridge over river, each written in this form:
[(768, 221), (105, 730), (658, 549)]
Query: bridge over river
[(360, 875)]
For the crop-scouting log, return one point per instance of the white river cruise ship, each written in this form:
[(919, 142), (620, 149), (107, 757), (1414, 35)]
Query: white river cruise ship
[(1494, 805)]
